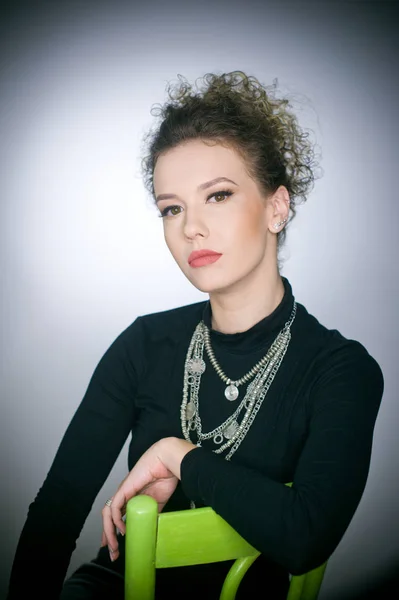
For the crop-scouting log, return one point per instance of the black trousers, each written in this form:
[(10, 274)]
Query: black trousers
[(101, 579)]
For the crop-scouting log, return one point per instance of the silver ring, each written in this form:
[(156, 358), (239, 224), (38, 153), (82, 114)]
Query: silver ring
[(108, 502)]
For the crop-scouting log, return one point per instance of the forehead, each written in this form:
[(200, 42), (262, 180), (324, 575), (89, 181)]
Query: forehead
[(193, 162)]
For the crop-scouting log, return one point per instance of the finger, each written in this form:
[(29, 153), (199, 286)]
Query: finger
[(109, 534), (112, 519), (119, 506), (118, 510), (103, 540)]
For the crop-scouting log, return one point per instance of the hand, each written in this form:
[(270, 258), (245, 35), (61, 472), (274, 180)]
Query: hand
[(156, 474)]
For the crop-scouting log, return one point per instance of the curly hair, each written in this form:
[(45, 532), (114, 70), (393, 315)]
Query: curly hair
[(236, 110)]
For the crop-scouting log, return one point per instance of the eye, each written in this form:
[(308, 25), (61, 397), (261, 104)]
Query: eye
[(220, 193), (164, 212)]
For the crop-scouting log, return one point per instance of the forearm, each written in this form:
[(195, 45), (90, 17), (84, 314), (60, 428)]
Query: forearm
[(285, 524)]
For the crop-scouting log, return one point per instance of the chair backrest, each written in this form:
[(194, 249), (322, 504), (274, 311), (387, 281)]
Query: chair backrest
[(190, 537)]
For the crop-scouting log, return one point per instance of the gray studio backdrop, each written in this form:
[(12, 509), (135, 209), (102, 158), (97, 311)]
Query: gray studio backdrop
[(82, 248)]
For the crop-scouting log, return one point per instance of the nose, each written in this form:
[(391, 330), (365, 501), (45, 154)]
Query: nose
[(194, 224)]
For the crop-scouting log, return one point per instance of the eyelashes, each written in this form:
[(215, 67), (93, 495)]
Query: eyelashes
[(164, 212)]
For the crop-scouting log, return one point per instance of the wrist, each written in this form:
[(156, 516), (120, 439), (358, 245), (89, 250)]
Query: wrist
[(172, 453)]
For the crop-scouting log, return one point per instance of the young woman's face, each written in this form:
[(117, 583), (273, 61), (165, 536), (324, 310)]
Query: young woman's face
[(231, 218)]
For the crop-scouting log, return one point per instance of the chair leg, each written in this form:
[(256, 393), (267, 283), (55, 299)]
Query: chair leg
[(307, 586), (296, 587), (235, 575), (313, 582), (141, 528)]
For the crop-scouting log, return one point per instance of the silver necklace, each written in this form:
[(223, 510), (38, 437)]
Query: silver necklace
[(231, 392), (233, 430)]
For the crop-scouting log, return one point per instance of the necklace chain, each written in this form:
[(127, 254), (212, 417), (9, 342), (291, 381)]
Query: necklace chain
[(265, 371)]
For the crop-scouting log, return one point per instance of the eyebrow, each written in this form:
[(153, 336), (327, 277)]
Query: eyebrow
[(202, 186)]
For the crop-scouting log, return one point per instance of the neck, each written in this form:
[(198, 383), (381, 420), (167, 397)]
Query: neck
[(235, 311)]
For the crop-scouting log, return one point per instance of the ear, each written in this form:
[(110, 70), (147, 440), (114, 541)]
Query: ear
[(279, 208)]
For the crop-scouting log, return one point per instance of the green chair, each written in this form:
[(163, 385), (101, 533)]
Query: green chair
[(191, 537)]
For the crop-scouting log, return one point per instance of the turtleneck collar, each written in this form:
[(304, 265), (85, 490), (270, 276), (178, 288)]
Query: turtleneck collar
[(260, 334)]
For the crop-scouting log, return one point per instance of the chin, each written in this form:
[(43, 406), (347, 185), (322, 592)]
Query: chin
[(210, 284)]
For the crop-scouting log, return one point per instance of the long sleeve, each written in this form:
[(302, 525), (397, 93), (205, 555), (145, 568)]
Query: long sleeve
[(300, 527), (85, 457)]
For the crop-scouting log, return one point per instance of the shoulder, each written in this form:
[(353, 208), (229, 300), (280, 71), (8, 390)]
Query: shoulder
[(148, 334), (338, 360), (173, 323)]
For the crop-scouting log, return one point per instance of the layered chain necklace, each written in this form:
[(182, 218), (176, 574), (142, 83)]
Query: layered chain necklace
[(229, 434)]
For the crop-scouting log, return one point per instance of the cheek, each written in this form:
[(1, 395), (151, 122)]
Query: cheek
[(250, 227), (172, 244)]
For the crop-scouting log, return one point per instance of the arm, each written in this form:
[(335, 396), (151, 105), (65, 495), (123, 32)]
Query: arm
[(88, 450), (300, 527)]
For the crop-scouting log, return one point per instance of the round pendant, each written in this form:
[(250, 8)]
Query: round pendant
[(190, 411), (196, 365), (218, 438), (231, 392), (230, 430)]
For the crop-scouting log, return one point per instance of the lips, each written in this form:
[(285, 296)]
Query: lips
[(200, 254)]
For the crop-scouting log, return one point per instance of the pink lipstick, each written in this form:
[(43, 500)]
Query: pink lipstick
[(200, 258)]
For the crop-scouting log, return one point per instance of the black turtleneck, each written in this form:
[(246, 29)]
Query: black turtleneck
[(314, 428)]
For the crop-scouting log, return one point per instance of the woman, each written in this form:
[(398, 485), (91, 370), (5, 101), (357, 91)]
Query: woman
[(228, 399)]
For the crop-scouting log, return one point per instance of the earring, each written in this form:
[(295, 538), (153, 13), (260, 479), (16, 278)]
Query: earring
[(277, 225)]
